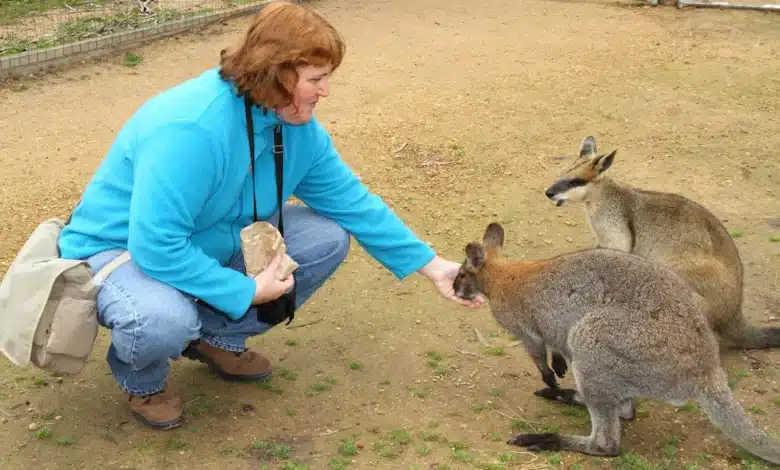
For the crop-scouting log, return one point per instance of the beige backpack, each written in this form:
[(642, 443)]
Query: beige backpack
[(48, 307)]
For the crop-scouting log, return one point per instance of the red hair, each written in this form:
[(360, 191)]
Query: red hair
[(282, 37)]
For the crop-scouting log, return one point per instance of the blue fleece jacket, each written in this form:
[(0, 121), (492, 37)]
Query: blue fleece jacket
[(175, 190)]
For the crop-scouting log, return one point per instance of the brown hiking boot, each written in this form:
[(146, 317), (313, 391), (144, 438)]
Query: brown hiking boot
[(160, 411), (235, 366)]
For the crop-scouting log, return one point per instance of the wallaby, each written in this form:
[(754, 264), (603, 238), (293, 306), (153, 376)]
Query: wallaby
[(669, 229), (628, 328)]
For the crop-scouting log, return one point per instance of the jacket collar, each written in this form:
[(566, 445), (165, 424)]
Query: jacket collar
[(264, 119)]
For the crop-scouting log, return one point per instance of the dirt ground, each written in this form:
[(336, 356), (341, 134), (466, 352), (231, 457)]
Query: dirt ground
[(457, 115)]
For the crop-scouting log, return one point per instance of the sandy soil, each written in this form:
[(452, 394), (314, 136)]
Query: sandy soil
[(455, 114)]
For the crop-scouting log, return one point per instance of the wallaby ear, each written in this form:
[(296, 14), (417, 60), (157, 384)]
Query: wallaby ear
[(602, 163), (475, 256), (588, 147), (494, 236)]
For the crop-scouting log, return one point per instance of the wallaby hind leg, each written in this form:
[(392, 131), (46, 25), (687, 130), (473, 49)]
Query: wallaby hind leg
[(569, 396), (604, 439)]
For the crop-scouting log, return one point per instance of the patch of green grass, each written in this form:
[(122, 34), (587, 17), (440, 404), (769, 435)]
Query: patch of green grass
[(386, 449), (331, 380), (12, 11), (197, 409), (774, 238), (490, 466), (272, 449), (479, 407), (392, 444), (494, 351), (267, 384), (429, 436), (337, 463), (175, 443), (348, 447), (462, 455), (317, 388), (85, 27), (496, 392), (43, 433), (495, 436), (40, 381), (742, 373), (418, 393), (458, 445), (632, 461), (355, 365), (291, 342), (65, 441), (291, 412), (776, 401), (288, 374), (433, 355), (756, 410), (401, 436), (749, 462), (424, 450), (576, 411), (132, 59), (670, 448), (289, 465), (735, 234), (555, 460), (690, 406)]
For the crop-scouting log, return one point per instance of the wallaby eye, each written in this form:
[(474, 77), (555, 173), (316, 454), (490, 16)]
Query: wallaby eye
[(573, 183)]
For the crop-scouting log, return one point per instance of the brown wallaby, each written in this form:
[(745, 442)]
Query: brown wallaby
[(669, 229), (628, 328)]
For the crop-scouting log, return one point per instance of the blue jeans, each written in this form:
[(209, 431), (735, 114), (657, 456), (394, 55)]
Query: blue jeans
[(152, 322)]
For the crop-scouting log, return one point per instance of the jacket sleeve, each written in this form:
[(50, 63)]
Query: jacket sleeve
[(331, 189), (175, 173)]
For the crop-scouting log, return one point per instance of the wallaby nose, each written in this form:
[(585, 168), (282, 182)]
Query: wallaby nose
[(549, 193)]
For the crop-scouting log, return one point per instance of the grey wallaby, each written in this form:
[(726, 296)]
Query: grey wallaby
[(669, 229), (628, 328)]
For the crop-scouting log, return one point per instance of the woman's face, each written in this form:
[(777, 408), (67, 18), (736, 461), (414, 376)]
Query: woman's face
[(312, 85)]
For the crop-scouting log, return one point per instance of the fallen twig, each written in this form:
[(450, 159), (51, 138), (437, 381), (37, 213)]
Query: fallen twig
[(301, 325), (435, 163), (760, 361), (401, 148), (481, 338), (193, 400), (514, 343), (328, 433), (465, 353)]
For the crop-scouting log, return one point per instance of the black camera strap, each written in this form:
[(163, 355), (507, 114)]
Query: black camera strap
[(288, 300), (278, 160)]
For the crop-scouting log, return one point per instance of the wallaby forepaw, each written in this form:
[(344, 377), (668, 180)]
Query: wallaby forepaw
[(561, 395), (559, 365), (542, 441)]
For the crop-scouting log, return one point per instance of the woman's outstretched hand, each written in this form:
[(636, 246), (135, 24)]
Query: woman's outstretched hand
[(442, 274)]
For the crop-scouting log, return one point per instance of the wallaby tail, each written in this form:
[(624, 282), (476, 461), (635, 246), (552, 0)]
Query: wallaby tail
[(724, 411), (745, 335)]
